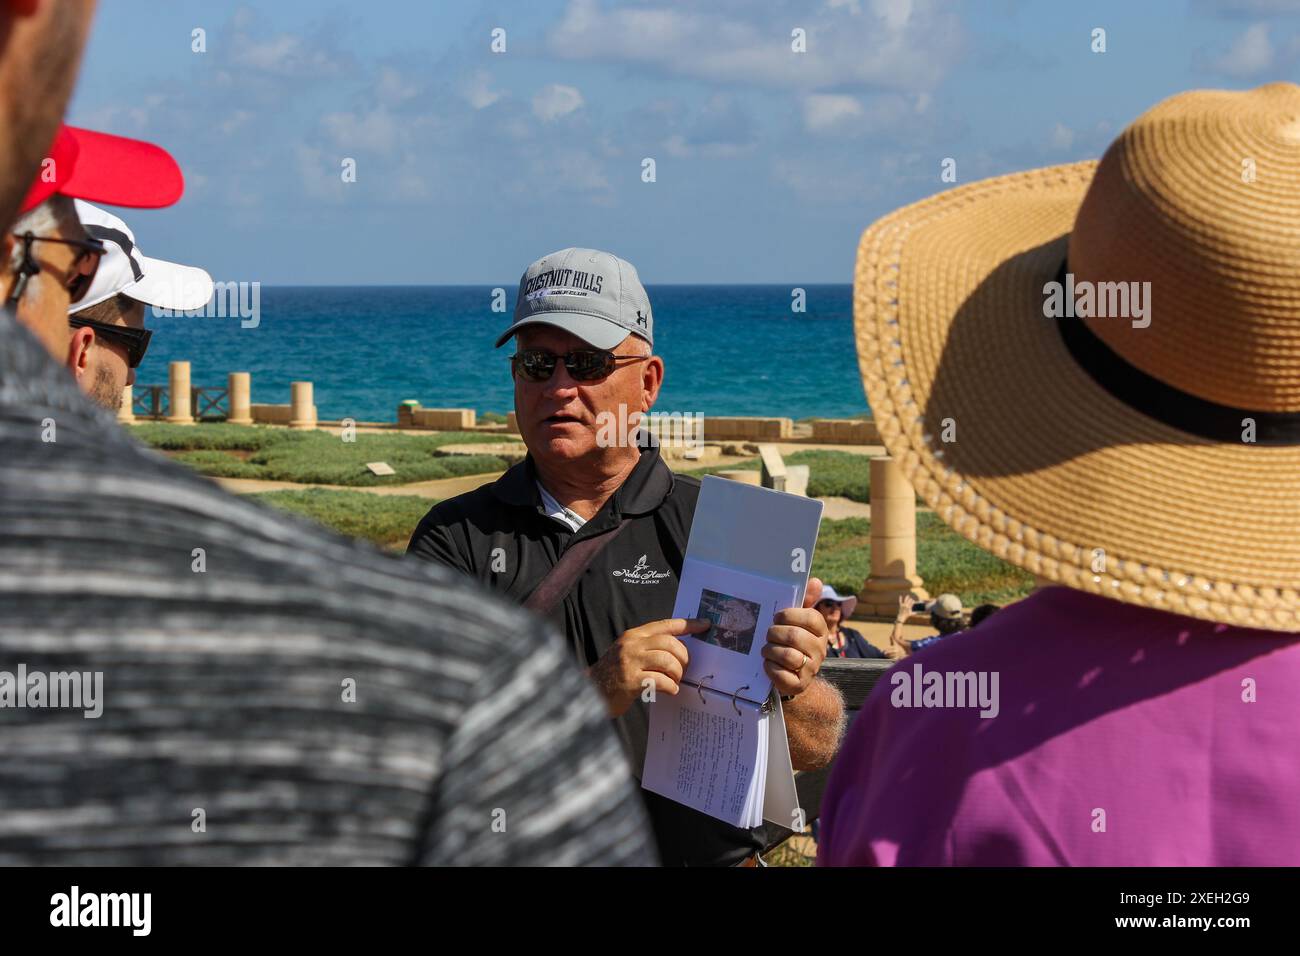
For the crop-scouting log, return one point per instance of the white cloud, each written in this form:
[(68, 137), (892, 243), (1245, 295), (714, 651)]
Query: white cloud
[(1248, 7), (1250, 53), (286, 55), (824, 111), (358, 132), (554, 101), (478, 91), (319, 174), (393, 88), (895, 13), (898, 116), (718, 128), (1062, 137), (234, 121), (883, 44)]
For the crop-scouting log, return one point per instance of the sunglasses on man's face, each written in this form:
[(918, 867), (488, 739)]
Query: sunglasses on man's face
[(79, 275), (584, 365), (134, 341)]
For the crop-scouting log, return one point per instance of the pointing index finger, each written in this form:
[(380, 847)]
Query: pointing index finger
[(685, 625)]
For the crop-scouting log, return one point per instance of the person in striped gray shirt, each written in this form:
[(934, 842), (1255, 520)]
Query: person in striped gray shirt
[(271, 693), (190, 678)]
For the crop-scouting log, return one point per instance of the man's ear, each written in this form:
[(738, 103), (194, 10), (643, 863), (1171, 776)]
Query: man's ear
[(79, 352), (652, 377)]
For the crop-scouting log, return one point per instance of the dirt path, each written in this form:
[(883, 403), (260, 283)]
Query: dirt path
[(439, 488)]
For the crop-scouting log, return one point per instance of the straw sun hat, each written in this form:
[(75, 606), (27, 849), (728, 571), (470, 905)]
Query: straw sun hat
[(1152, 459)]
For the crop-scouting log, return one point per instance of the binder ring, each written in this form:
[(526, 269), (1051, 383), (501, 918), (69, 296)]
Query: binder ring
[(734, 696), (699, 688)]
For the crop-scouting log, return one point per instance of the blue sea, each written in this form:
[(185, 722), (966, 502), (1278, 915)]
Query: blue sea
[(728, 350)]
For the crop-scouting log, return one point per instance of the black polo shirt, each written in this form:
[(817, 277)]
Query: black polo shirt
[(500, 534)]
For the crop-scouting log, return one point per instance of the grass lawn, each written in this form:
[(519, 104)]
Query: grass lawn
[(280, 454), (946, 560), (385, 520), (831, 473)]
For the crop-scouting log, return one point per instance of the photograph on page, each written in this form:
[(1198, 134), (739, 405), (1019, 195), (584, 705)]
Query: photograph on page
[(740, 607)]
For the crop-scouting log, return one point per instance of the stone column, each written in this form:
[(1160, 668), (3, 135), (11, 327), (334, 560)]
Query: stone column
[(126, 411), (239, 387), (302, 413), (179, 394), (893, 541)]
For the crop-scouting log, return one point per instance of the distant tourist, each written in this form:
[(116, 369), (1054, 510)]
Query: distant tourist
[(562, 531), (982, 613), (304, 699), (946, 617), (842, 640), (1143, 457), (109, 339)]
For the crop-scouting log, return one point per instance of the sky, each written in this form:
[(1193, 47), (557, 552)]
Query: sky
[(768, 162)]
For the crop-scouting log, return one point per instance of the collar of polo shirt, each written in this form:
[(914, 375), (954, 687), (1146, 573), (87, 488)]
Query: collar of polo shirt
[(649, 483)]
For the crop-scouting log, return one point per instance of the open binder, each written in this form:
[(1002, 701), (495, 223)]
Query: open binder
[(719, 745)]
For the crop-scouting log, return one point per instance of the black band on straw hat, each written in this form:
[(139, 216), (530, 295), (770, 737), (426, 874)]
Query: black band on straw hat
[(1166, 404)]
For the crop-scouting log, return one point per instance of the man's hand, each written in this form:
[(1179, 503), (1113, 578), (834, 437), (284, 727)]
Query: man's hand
[(796, 644), (650, 652)]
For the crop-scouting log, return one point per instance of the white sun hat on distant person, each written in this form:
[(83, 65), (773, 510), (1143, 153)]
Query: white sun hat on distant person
[(847, 604), (947, 607), (125, 270)]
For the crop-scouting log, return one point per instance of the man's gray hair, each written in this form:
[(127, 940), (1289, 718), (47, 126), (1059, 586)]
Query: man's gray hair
[(45, 220), (642, 347)]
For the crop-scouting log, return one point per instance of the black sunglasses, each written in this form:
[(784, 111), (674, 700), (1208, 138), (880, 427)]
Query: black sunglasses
[(135, 341), (78, 279), (584, 365)]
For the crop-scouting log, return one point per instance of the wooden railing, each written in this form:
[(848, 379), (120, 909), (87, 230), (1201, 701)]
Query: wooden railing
[(150, 401), (209, 403)]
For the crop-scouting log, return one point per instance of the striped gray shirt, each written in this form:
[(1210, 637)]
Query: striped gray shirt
[(271, 693)]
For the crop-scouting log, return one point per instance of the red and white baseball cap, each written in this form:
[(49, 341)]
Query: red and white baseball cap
[(125, 269), (104, 168)]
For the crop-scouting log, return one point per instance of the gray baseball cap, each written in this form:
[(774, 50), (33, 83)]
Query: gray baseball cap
[(594, 295)]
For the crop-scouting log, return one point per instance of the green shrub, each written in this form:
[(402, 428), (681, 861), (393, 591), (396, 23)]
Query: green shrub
[(213, 436), (945, 560)]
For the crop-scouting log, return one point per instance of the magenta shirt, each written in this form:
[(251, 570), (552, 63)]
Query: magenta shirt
[(1107, 715)]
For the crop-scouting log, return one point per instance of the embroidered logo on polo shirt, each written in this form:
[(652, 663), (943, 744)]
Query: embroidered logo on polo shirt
[(641, 574)]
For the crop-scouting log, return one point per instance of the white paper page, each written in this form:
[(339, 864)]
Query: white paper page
[(703, 754), (759, 784), (729, 656), (767, 533), (780, 796)]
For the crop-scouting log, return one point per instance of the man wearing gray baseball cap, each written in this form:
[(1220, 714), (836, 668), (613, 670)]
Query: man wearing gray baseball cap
[(590, 529)]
